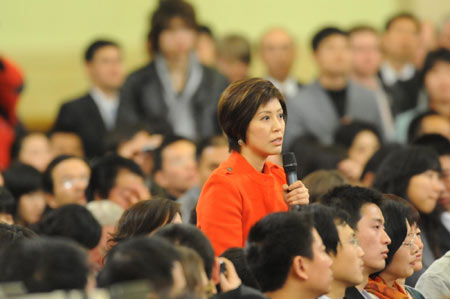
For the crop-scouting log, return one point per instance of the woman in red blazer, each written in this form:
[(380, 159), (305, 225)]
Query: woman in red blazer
[(247, 187)]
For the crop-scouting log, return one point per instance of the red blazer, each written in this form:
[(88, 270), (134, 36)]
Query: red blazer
[(235, 197)]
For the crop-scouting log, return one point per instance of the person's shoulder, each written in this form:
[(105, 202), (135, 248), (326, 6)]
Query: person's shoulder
[(363, 93), (74, 103), (213, 77), (142, 73)]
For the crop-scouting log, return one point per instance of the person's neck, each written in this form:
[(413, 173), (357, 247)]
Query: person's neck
[(178, 64), (109, 93), (401, 282), (369, 81), (337, 290), (363, 284), (388, 279), (396, 64), (280, 77), (255, 160), (290, 293), (333, 82)]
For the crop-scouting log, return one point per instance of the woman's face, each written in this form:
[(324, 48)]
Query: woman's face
[(404, 260), (177, 39), (31, 207), (424, 190), (418, 241), (266, 130), (364, 145)]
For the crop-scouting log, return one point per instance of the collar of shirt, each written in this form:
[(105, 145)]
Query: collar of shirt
[(391, 76), (289, 87), (106, 105)]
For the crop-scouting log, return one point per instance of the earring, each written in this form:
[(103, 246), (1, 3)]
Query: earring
[(240, 142)]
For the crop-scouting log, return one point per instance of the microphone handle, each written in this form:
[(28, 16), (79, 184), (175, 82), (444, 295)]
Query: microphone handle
[(291, 178)]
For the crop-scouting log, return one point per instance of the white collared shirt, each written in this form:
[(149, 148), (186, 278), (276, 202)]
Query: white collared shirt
[(107, 107), (391, 76)]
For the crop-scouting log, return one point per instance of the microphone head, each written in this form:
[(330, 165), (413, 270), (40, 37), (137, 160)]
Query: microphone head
[(289, 162)]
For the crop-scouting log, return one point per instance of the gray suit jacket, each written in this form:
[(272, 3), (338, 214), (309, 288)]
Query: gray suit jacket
[(312, 112)]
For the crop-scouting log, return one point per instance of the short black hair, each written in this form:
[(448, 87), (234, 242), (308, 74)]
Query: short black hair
[(167, 141), (237, 256), (346, 133), (12, 233), (45, 264), (324, 33), (97, 45), (163, 14), (201, 28), (402, 15), (376, 159), (214, 141), (47, 179), (398, 167), (435, 141), (273, 243), (141, 258), (326, 220), (7, 202), (104, 172), (74, 222), (191, 237), (21, 179), (415, 126), (433, 57), (351, 199)]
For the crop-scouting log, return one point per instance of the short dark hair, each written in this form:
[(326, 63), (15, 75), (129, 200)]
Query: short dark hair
[(398, 167), (433, 57), (141, 258), (272, 244), (415, 126), (22, 179), (47, 179), (320, 182), (13, 233), (326, 220), (104, 173), (7, 202), (376, 159), (45, 264), (164, 13), (97, 45), (167, 141), (362, 28), (402, 15), (191, 237), (435, 141), (205, 30), (351, 199), (74, 222), (237, 256), (235, 46), (239, 103), (145, 217), (214, 141), (324, 33), (346, 133)]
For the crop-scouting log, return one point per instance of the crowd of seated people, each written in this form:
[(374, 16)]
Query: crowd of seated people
[(160, 184)]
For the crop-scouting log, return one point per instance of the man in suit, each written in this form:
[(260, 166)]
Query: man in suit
[(174, 93), (319, 108), (93, 115)]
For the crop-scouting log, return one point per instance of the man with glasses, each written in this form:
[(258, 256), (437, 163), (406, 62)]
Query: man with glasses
[(65, 181)]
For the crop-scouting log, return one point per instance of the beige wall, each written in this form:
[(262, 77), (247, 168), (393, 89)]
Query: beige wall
[(47, 37)]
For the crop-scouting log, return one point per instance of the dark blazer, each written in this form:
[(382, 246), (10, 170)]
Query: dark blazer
[(142, 101), (82, 117), (353, 293)]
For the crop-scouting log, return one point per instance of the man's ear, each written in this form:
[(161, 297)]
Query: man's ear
[(216, 271), (50, 200), (300, 267)]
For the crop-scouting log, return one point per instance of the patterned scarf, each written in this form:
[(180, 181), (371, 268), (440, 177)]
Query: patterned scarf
[(379, 288)]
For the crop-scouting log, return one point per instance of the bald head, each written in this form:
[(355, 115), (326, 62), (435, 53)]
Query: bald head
[(277, 50)]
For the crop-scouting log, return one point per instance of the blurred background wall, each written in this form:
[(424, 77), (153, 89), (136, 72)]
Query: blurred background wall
[(47, 38)]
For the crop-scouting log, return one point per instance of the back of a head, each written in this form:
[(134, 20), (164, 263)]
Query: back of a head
[(237, 256), (273, 242), (12, 233), (7, 202), (104, 173), (74, 222), (143, 258), (144, 217), (191, 237), (398, 167), (22, 179), (351, 199), (45, 265), (320, 182)]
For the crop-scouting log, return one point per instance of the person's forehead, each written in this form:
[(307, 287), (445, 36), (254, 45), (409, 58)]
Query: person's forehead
[(370, 212), (72, 165), (276, 36), (335, 38), (402, 23)]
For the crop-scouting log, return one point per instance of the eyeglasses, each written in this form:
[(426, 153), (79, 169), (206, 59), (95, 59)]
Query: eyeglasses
[(69, 182), (410, 243), (354, 242)]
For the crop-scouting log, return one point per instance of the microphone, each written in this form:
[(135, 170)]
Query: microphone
[(290, 168)]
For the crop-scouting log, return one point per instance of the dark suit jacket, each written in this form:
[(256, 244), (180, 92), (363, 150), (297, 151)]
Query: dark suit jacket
[(353, 293), (82, 116), (142, 101)]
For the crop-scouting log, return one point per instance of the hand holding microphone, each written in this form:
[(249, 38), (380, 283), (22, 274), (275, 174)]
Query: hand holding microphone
[(295, 193)]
